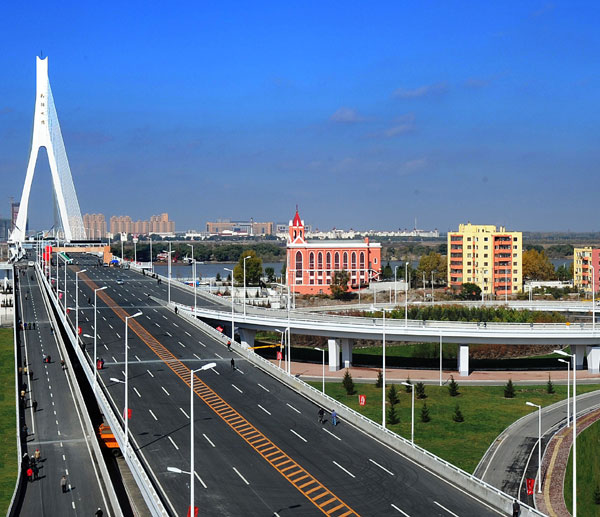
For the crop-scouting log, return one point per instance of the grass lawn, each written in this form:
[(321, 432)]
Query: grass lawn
[(487, 413), (588, 472), (8, 438)]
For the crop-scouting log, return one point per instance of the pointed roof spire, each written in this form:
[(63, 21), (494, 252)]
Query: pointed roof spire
[(297, 221)]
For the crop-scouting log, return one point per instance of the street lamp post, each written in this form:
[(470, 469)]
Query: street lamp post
[(232, 313), (593, 297), (322, 350), (396, 285), (194, 261), (96, 334), (126, 410), (539, 474), (169, 280), (406, 295), (574, 358), (383, 310), (151, 263), (289, 348), (77, 273), (432, 287), (568, 389), (412, 421), (245, 258)]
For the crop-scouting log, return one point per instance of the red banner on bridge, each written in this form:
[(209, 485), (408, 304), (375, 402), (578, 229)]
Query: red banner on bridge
[(530, 486), (362, 400)]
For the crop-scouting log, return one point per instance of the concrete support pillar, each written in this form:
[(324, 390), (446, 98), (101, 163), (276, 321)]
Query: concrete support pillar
[(579, 351), (347, 352), (463, 360), (593, 359), (247, 337), (334, 354)]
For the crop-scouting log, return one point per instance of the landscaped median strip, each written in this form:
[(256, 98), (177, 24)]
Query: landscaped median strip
[(302, 480)]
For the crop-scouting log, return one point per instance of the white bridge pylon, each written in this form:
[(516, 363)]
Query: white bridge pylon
[(46, 133)]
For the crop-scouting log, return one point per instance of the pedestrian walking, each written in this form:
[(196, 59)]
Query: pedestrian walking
[(44, 358), (37, 455), (89, 300), (25, 430), (36, 472), (98, 513), (30, 474), (228, 345), (62, 364), (26, 460), (333, 418), (321, 415), (516, 509), (30, 374), (175, 310), (232, 364), (34, 405), (63, 484)]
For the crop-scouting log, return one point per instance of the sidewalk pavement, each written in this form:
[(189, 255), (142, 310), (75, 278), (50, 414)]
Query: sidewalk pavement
[(314, 371)]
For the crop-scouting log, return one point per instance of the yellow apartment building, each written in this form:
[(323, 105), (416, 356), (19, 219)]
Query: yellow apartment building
[(586, 269)]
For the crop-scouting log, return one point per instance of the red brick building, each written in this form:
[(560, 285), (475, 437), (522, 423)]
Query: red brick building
[(310, 265)]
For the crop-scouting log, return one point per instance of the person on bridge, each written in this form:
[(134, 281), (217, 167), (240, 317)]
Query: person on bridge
[(228, 345), (98, 513), (232, 364), (516, 509), (36, 472), (63, 484), (175, 310), (333, 418), (30, 474), (37, 455), (321, 415), (34, 405)]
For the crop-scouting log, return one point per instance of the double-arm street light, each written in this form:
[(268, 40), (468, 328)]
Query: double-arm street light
[(383, 310), (289, 348), (245, 258), (194, 262), (232, 312), (539, 473), (77, 273), (322, 350), (568, 363), (574, 359), (412, 421), (96, 333), (191, 472), (406, 294)]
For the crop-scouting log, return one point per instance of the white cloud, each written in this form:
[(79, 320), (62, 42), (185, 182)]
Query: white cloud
[(412, 166), (345, 115), (422, 91)]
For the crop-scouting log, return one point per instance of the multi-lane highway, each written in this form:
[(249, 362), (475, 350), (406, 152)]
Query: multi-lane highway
[(55, 426), (259, 448)]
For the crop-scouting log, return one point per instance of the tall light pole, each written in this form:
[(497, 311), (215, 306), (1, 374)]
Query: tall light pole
[(289, 348), (169, 280), (245, 258), (232, 312), (126, 410), (568, 388), (593, 297), (96, 334), (432, 273), (406, 295), (396, 284), (121, 248), (412, 421), (539, 473), (574, 358), (383, 310), (151, 263), (77, 273), (194, 261), (322, 350)]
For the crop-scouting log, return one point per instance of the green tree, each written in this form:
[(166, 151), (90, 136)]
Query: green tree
[(458, 416), (283, 269), (339, 284), (549, 386), (509, 390), (218, 277), (379, 381), (597, 495), (348, 383), (537, 266), (386, 272), (270, 272), (420, 390), (453, 387), (425, 413), (392, 395), (407, 388), (392, 416), (470, 291), (254, 268), (433, 262)]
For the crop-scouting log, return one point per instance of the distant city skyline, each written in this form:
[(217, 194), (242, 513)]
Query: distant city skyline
[(364, 117)]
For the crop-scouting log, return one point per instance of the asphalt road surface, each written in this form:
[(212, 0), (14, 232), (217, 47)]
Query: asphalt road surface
[(349, 473), (55, 427)]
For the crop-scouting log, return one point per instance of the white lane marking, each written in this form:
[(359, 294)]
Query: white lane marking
[(188, 333), (106, 347), (181, 344), (215, 371), (113, 358), (238, 370), (118, 335), (111, 326), (168, 334), (186, 415), (208, 440), (329, 432), (72, 502), (174, 444), (243, 478), (218, 356), (103, 318), (138, 394), (346, 471), (199, 479), (201, 343), (382, 468), (292, 407), (64, 459), (398, 509), (263, 387), (196, 356), (139, 360), (301, 437), (150, 373), (153, 415), (237, 388), (444, 508), (165, 317), (157, 324), (176, 325), (154, 310), (149, 316), (165, 391), (267, 412)]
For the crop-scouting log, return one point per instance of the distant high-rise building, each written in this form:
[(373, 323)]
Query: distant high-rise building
[(14, 213), (584, 261), (227, 226), (486, 256), (95, 226), (158, 224)]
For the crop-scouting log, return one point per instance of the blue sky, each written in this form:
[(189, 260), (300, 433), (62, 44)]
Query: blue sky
[(366, 115)]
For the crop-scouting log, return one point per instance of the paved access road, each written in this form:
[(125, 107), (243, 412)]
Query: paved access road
[(349, 473), (55, 427)]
